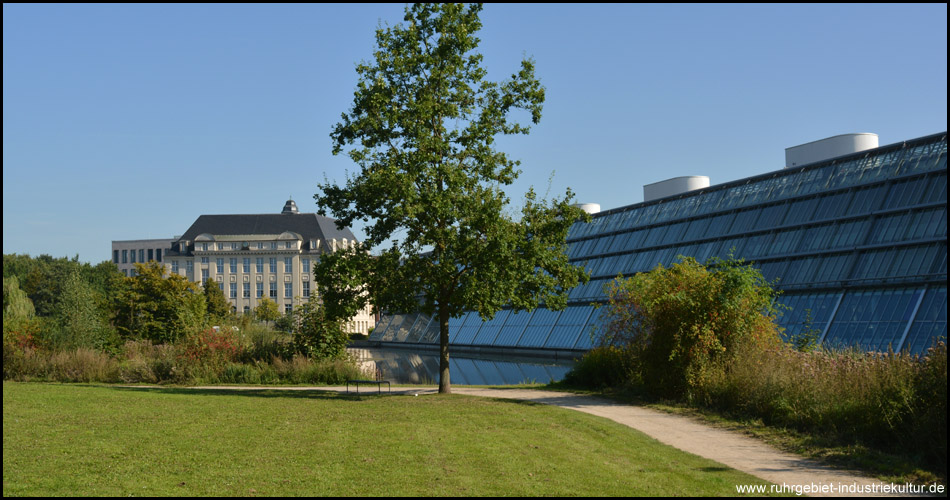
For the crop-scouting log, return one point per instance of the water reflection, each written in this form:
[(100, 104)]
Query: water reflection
[(407, 367)]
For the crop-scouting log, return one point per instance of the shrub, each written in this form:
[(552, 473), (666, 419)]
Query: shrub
[(682, 326), (153, 364), (82, 365), (316, 335), (605, 366), (212, 348)]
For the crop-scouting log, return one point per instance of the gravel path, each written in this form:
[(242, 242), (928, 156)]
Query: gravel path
[(726, 447)]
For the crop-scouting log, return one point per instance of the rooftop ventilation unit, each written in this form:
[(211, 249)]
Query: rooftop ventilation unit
[(590, 208), (831, 147), (674, 186)]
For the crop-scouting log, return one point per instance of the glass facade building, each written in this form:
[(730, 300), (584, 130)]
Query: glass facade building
[(858, 244)]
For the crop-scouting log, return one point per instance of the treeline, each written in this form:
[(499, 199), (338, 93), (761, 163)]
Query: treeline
[(107, 327)]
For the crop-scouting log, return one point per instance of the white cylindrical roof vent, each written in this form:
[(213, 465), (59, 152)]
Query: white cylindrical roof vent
[(674, 186), (590, 208), (831, 147)]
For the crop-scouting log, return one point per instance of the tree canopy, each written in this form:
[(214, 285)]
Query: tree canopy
[(157, 307), (422, 130)]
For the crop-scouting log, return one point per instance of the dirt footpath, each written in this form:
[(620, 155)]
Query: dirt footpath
[(726, 447)]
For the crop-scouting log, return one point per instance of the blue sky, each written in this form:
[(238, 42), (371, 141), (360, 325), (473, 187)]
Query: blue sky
[(129, 121)]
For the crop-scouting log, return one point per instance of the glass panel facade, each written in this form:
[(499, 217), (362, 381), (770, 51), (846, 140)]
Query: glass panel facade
[(872, 320), (538, 329), (569, 327), (866, 233), (930, 323)]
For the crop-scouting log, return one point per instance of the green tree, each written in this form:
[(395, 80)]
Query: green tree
[(217, 305), (158, 307), (316, 335), (79, 320), (16, 304), (423, 125), (266, 310)]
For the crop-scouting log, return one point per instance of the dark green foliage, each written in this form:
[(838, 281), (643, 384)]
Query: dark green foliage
[(217, 305), (42, 278), (317, 336), (422, 129), (601, 367), (78, 320), (157, 307)]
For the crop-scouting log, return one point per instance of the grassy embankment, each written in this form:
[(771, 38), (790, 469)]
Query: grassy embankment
[(102, 440)]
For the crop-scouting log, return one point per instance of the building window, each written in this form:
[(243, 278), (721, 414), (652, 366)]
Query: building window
[(234, 246), (233, 290), (204, 247), (259, 262), (221, 286), (220, 265), (273, 265), (175, 266), (287, 245), (247, 309), (233, 265), (288, 308), (204, 275), (220, 246), (306, 289), (125, 272), (247, 290), (273, 289), (141, 255), (151, 254), (247, 265), (204, 260), (305, 266), (158, 254), (288, 264), (132, 257), (273, 245), (288, 290), (125, 256), (260, 245), (260, 290), (115, 256), (190, 265)]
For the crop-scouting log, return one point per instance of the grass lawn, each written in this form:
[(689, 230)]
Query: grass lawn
[(104, 440)]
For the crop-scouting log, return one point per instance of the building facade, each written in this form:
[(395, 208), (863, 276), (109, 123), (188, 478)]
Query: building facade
[(126, 253), (253, 256), (857, 242)]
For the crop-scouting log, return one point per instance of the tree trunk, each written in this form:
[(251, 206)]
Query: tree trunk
[(445, 387)]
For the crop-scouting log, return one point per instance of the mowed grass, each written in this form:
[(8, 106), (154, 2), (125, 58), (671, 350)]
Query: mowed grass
[(105, 440)]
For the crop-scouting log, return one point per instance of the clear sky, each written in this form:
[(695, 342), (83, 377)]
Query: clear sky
[(127, 122)]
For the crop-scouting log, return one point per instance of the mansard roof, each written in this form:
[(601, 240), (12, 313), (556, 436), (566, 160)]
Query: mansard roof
[(308, 226)]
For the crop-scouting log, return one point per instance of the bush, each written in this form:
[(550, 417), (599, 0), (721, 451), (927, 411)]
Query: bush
[(212, 348), (600, 367), (682, 326), (317, 336)]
